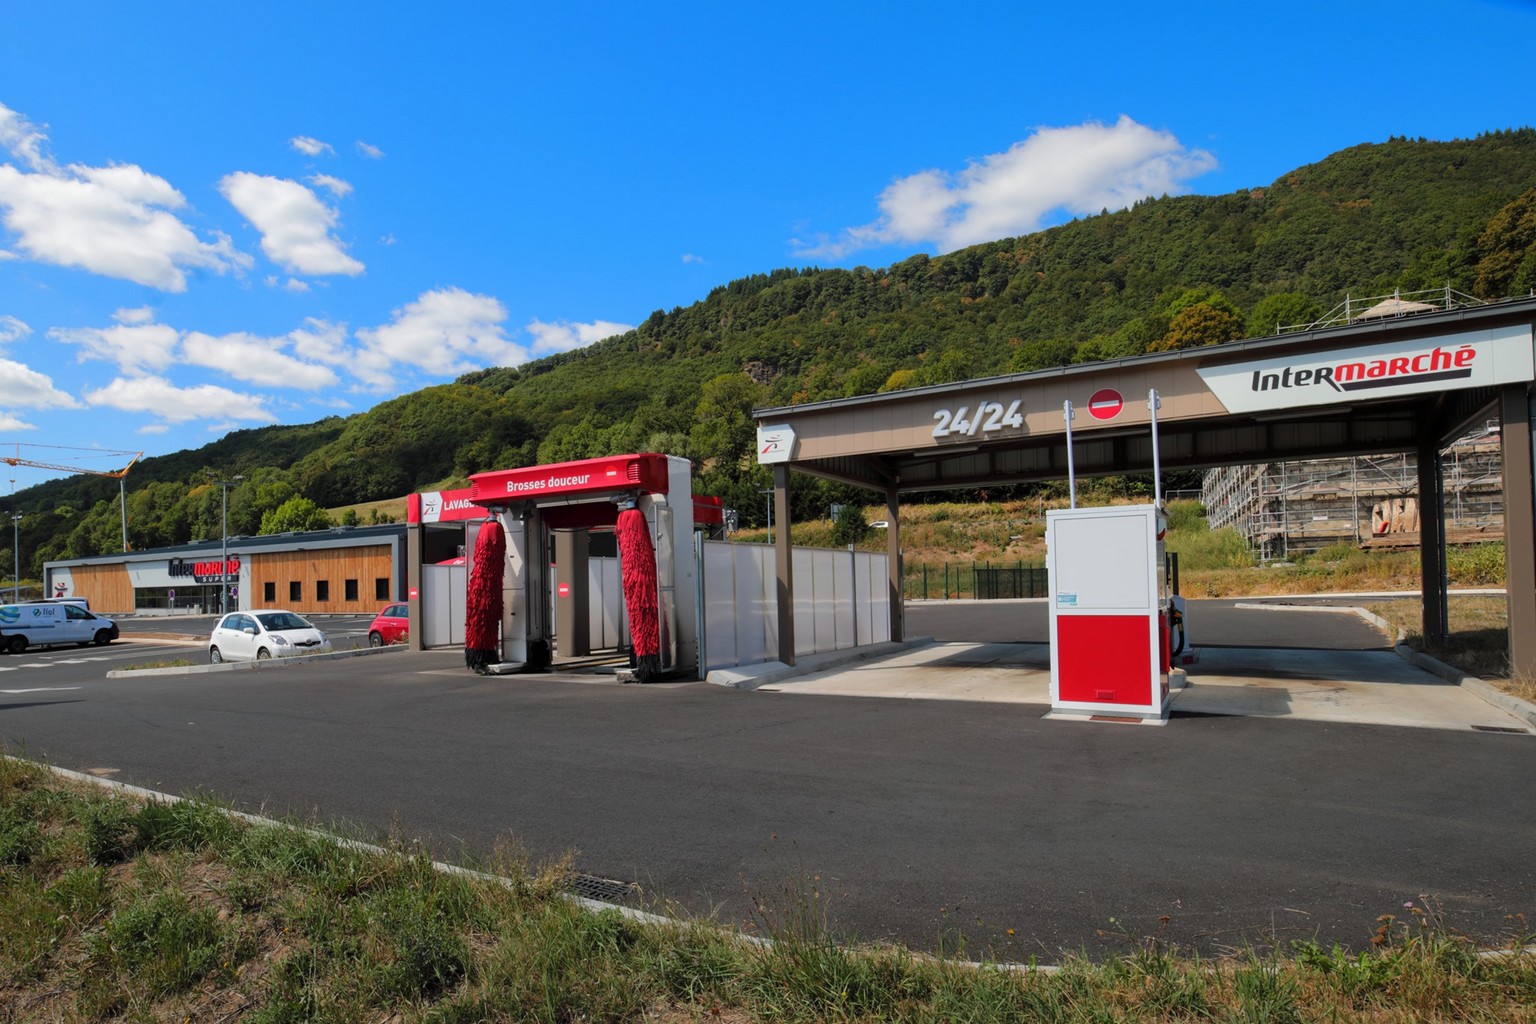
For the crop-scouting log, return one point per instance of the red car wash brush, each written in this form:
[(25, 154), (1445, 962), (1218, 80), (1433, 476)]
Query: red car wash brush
[(483, 605), (637, 566)]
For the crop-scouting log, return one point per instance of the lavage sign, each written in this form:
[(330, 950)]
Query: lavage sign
[(1471, 359)]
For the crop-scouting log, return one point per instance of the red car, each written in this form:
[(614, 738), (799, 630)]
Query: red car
[(390, 626)]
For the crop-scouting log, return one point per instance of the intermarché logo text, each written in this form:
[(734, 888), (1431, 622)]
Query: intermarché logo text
[(1436, 364)]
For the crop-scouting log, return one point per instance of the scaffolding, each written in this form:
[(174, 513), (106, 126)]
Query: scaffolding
[(1284, 509)]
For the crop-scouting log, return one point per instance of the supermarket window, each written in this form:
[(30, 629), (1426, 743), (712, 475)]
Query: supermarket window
[(381, 588)]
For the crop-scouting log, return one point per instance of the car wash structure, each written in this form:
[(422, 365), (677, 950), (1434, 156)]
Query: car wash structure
[(544, 524), (616, 555)]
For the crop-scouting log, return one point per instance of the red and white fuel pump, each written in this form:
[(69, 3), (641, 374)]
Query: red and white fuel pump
[(1111, 607), (1109, 611)]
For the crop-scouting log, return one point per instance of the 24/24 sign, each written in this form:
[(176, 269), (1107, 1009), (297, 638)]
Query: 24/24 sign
[(989, 417)]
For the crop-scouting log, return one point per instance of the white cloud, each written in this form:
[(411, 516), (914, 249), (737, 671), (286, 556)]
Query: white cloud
[(154, 428), (138, 315), (22, 386), (444, 332), (295, 225), (1074, 170), (256, 361), (370, 151), (562, 337), (114, 220), (136, 344), (309, 146), (161, 398), (336, 186), (25, 141), (12, 329), (9, 423), (689, 257), (321, 341)]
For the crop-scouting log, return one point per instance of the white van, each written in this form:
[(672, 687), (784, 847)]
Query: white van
[(43, 623)]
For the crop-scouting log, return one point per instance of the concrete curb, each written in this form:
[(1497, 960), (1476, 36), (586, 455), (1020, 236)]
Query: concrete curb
[(1334, 609), (248, 666), (1490, 694), (750, 677)]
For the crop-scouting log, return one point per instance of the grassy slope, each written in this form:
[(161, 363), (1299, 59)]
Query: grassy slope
[(111, 910)]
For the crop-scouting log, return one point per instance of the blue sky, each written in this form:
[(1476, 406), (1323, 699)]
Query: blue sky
[(221, 216)]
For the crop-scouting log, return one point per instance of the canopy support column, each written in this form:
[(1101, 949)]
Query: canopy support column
[(784, 565), (893, 562), (1517, 411), (1432, 542)]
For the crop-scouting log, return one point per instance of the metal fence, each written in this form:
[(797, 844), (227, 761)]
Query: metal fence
[(982, 580)]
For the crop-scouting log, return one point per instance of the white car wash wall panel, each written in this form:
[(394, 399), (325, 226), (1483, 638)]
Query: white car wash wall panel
[(840, 602), (607, 625), (444, 592)]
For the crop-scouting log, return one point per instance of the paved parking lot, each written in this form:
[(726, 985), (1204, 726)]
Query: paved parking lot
[(923, 821)]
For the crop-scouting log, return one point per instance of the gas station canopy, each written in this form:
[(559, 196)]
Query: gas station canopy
[(1404, 380)]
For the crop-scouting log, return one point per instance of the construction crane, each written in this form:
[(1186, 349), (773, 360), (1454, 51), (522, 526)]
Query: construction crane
[(119, 474)]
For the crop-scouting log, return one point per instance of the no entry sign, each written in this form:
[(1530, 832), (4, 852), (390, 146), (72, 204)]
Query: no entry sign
[(1105, 404)]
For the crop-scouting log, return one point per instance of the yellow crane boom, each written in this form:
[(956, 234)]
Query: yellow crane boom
[(117, 474)]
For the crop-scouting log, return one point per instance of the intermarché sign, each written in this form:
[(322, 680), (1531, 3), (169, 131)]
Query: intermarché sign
[(216, 571)]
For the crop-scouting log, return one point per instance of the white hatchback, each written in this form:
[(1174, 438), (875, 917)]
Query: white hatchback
[(248, 636)]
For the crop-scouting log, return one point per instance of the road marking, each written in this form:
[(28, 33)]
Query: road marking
[(44, 689)]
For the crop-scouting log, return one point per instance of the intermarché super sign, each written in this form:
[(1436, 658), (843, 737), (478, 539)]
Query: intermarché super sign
[(215, 571)]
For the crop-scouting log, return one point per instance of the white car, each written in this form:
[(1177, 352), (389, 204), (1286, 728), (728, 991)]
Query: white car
[(256, 635)]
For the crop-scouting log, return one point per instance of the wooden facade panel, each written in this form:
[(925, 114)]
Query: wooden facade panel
[(309, 569), (107, 587)]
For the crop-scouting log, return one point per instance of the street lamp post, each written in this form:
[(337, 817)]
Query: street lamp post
[(16, 550), (224, 486), (769, 492)]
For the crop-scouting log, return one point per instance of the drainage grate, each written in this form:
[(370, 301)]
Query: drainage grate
[(1502, 728), (604, 890)]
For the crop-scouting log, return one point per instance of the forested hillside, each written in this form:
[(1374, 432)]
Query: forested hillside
[(1167, 273)]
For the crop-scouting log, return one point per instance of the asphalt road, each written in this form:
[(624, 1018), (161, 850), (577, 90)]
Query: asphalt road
[(1211, 623), (926, 822)]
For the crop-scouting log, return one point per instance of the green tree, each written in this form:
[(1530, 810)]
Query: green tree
[(1283, 309), (295, 514), (1197, 325), (723, 431), (1042, 355), (851, 526), (1506, 250)]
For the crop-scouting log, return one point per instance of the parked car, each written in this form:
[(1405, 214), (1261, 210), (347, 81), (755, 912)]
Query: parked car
[(390, 626), (269, 633)]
